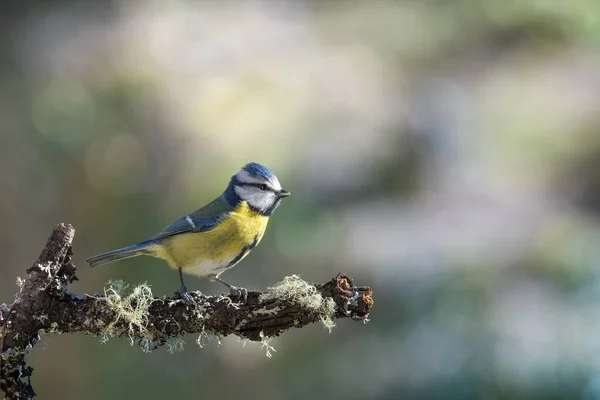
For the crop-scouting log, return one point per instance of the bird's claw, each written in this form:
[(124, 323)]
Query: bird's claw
[(239, 293), (186, 296)]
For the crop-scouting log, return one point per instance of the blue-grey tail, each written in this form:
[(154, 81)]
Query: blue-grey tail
[(121, 254)]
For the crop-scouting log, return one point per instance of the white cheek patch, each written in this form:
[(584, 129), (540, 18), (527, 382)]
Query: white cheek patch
[(260, 199)]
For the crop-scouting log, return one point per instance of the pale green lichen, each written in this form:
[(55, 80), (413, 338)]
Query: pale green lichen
[(203, 339), (129, 305), (148, 345), (175, 345), (145, 344), (264, 311), (41, 317), (47, 268), (265, 344), (327, 322), (105, 337), (294, 289), (53, 328)]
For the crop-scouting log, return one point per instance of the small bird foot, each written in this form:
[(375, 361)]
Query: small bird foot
[(240, 293), (185, 295), (183, 292), (237, 292)]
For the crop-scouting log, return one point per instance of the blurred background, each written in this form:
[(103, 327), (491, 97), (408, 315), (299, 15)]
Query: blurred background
[(446, 153)]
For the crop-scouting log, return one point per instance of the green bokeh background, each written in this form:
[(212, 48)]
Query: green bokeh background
[(446, 153)]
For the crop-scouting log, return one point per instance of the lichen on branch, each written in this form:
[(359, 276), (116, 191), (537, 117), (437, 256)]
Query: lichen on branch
[(43, 306)]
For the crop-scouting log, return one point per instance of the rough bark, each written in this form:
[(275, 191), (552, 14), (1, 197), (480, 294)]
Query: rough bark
[(43, 305)]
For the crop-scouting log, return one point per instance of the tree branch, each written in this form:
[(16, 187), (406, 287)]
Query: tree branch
[(43, 305)]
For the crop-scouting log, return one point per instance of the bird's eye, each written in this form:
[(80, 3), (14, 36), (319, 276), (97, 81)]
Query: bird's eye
[(263, 187)]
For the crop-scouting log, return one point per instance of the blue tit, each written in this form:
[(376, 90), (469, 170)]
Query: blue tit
[(216, 237)]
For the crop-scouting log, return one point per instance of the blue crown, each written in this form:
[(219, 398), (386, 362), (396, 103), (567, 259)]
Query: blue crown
[(258, 170)]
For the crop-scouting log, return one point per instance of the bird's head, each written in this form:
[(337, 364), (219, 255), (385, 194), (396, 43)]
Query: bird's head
[(258, 186)]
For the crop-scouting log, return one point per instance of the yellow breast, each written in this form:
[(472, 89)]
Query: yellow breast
[(209, 253)]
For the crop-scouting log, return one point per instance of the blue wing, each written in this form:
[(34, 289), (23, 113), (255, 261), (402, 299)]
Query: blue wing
[(201, 220)]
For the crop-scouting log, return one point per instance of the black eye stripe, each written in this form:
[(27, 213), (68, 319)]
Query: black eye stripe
[(258, 185)]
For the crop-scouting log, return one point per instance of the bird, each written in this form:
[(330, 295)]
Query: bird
[(216, 237)]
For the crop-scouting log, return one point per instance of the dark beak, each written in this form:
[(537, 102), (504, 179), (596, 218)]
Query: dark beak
[(283, 193)]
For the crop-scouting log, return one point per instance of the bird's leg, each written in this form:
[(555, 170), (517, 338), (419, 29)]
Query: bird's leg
[(183, 292), (235, 291)]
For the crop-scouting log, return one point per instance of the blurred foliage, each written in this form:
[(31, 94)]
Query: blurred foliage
[(444, 152)]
